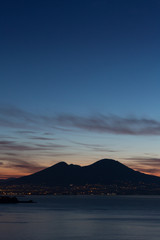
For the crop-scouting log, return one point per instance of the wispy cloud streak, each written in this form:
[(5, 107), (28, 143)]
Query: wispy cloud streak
[(15, 118), (11, 145), (26, 166), (112, 124), (145, 164), (94, 147)]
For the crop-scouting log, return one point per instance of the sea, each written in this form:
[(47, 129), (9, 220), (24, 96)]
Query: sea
[(82, 218)]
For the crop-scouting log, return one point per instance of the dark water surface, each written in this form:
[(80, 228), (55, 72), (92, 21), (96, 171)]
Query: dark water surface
[(82, 218)]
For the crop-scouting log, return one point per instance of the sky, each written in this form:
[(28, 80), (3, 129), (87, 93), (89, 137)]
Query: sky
[(79, 82)]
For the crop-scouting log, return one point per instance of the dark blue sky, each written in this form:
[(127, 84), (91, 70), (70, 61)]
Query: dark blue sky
[(85, 72)]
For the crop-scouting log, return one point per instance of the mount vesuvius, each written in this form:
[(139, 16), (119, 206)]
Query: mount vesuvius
[(103, 172)]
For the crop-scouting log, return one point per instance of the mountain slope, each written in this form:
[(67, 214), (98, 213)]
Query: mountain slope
[(105, 171)]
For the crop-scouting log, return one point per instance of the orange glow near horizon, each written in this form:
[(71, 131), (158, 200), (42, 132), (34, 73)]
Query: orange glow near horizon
[(147, 172), (13, 173)]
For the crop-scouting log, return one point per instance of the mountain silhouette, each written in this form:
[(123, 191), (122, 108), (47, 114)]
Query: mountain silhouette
[(105, 171)]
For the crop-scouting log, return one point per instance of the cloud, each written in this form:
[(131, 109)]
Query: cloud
[(94, 147), (6, 142), (26, 132), (150, 171), (61, 154), (27, 166), (112, 124), (11, 154), (14, 113), (8, 145), (146, 160), (6, 176), (43, 138), (145, 164), (51, 146), (15, 118), (16, 163), (7, 137), (14, 146)]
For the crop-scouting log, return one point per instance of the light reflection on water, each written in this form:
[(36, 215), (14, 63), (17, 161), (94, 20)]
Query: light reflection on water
[(82, 217)]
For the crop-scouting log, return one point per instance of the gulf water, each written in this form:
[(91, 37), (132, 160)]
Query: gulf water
[(82, 218)]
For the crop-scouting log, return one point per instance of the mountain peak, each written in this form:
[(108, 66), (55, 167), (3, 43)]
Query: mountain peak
[(105, 161), (61, 164)]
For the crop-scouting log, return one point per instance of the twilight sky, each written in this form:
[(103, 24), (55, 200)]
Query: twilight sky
[(79, 81)]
